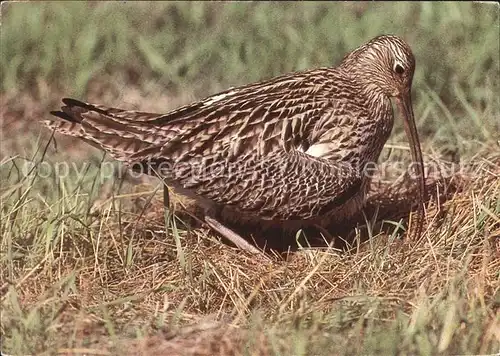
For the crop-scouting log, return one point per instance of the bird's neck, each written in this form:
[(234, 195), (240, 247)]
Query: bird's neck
[(374, 97), (377, 129)]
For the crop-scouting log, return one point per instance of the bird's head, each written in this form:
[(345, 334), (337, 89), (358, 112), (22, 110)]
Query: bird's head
[(386, 63)]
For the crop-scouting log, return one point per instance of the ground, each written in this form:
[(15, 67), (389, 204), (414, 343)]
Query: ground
[(91, 263)]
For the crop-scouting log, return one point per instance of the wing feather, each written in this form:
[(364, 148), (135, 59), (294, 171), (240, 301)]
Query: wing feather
[(243, 142)]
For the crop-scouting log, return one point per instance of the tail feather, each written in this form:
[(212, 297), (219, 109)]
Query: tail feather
[(125, 115), (119, 132)]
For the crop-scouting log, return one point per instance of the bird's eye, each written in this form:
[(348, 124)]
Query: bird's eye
[(398, 68)]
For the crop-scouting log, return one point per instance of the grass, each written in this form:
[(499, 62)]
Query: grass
[(91, 264)]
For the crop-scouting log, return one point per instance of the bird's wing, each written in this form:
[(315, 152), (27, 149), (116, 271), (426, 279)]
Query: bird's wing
[(255, 116), (255, 130)]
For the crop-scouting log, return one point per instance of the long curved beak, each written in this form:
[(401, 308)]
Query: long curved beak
[(405, 106)]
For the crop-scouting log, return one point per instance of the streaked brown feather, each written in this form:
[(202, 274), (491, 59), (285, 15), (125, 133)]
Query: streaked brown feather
[(291, 147)]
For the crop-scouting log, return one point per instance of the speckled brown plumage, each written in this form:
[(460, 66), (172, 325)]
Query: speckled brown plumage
[(289, 149)]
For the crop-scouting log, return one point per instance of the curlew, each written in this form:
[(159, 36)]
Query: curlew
[(290, 150)]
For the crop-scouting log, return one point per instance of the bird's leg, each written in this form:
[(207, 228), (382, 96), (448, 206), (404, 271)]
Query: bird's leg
[(166, 197), (231, 235), (166, 204), (239, 241)]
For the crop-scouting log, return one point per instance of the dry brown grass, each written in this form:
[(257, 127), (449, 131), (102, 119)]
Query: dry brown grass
[(116, 281)]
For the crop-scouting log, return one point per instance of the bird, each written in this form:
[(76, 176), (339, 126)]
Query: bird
[(290, 150)]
